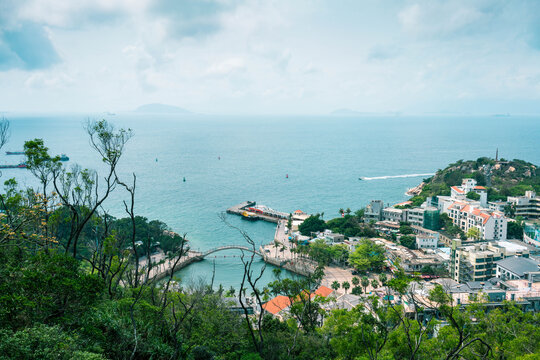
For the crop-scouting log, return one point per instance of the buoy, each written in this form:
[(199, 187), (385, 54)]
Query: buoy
[(184, 179), (287, 176), (219, 157), (156, 159)]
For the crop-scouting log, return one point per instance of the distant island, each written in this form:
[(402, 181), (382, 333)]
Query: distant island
[(162, 109)]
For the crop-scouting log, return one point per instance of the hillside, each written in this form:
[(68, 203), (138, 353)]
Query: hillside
[(502, 178)]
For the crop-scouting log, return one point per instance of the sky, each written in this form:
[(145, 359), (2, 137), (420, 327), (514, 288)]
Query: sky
[(271, 57)]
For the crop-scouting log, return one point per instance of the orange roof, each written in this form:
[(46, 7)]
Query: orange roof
[(298, 212), (281, 302), (404, 203), (458, 190), (323, 291), (480, 188), (277, 304)]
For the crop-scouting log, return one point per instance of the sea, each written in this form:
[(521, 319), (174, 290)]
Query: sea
[(310, 163)]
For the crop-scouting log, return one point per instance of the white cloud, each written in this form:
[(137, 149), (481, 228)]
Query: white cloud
[(41, 80), (226, 67)]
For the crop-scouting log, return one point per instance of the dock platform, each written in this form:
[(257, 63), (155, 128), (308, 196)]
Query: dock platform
[(260, 212)]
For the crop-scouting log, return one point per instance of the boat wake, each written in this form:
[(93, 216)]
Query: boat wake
[(394, 176)]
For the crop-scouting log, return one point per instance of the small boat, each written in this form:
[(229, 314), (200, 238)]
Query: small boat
[(14, 152), (184, 179), (246, 215), (64, 157), (286, 176), (360, 178)]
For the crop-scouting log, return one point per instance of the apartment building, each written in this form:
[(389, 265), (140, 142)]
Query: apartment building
[(527, 206), (477, 262), (492, 226)]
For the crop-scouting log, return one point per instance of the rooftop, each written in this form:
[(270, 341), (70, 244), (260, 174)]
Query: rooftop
[(518, 265)]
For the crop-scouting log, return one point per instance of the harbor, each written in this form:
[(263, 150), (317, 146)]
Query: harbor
[(249, 210)]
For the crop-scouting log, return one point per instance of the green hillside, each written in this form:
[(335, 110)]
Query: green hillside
[(502, 178)]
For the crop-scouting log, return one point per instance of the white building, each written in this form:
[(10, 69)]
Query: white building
[(497, 205), (424, 241), (468, 185), (373, 211), (527, 206), (393, 214), (492, 226)]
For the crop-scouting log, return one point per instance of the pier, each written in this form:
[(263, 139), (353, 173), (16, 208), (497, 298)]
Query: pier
[(251, 211)]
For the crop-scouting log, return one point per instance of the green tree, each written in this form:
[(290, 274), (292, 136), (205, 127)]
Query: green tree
[(409, 241), (355, 280), (320, 251), (374, 283), (383, 279), (473, 233), (335, 285), (312, 224), (473, 196), (346, 286), (514, 230), (367, 256), (365, 283), (356, 290), (405, 229)]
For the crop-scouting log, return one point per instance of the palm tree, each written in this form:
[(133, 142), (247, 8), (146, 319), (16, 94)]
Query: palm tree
[(355, 281), (374, 283), (348, 211), (346, 286), (383, 279), (365, 283), (335, 285), (289, 223), (276, 245), (341, 211)]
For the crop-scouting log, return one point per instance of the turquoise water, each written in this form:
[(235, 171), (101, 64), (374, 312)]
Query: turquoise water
[(323, 156)]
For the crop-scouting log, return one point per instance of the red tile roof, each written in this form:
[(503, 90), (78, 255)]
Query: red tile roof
[(480, 188), (281, 302), (458, 190), (277, 304), (323, 291)]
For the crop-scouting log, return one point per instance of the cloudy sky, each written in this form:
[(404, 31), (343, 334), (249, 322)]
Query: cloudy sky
[(271, 57)]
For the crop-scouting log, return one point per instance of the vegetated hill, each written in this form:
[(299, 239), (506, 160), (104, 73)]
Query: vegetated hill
[(162, 109), (502, 178)]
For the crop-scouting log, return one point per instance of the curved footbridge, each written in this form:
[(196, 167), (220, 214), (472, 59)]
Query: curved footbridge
[(163, 269), (230, 247)]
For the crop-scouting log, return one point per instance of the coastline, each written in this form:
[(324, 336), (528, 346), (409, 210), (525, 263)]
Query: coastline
[(414, 191)]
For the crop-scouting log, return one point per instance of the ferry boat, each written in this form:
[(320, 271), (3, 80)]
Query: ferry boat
[(19, 166)]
